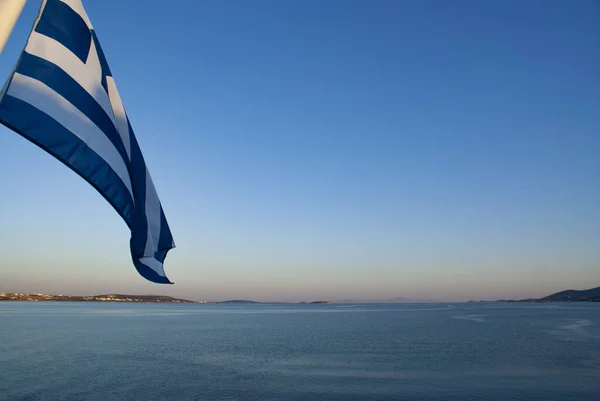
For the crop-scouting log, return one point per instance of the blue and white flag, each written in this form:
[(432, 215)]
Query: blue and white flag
[(62, 97)]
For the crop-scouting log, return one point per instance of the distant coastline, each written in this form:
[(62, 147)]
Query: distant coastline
[(38, 297), (591, 295), (93, 298)]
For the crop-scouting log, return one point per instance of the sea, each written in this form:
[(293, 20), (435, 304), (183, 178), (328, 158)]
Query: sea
[(61, 351)]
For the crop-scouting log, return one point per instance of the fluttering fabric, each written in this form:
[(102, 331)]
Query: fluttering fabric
[(62, 97)]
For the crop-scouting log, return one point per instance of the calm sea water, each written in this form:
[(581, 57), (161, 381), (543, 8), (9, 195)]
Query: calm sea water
[(89, 351)]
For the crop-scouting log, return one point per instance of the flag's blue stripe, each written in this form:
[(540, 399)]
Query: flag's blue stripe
[(137, 171), (61, 23), (161, 255), (55, 139), (150, 274), (103, 64), (165, 240), (62, 83)]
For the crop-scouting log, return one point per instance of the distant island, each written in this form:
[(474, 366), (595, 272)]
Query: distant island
[(243, 301), (591, 295), (317, 303), (239, 301), (94, 298)]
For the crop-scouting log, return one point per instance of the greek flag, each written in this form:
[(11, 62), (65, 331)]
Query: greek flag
[(62, 97)]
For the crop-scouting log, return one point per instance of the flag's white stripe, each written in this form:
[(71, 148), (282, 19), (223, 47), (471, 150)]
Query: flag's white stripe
[(78, 8), (152, 216), (119, 113), (53, 104), (154, 265), (89, 75)]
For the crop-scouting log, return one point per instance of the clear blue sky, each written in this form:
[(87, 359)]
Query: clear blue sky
[(332, 149)]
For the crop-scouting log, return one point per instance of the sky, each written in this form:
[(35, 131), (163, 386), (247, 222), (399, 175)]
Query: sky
[(307, 150)]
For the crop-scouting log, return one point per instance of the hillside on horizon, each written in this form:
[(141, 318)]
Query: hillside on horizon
[(590, 295)]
